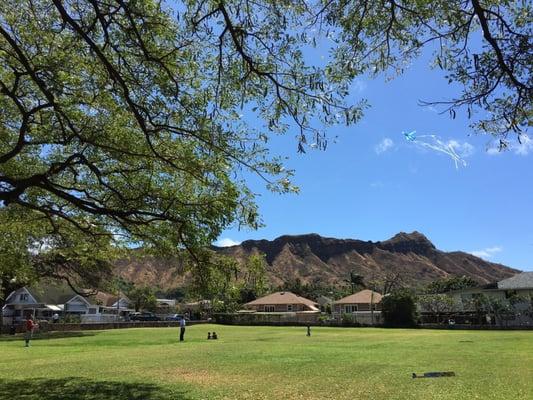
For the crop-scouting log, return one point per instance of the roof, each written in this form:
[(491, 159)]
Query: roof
[(362, 297), (523, 280), (282, 298), (324, 300), (60, 293), (51, 293)]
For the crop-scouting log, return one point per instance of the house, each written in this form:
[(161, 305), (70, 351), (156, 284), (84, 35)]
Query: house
[(103, 307), (508, 302), (363, 307), (516, 291), (519, 287), (325, 303), (365, 300), (166, 305), (282, 302), (41, 302), (45, 300)]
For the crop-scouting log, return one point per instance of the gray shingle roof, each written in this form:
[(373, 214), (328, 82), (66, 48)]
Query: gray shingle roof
[(523, 280)]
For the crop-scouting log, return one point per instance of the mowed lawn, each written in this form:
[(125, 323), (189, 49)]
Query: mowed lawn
[(268, 363)]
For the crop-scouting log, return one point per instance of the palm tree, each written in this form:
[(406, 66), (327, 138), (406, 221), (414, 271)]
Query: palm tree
[(355, 280)]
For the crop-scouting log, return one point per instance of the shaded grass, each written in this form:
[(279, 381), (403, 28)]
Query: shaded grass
[(48, 335), (270, 363)]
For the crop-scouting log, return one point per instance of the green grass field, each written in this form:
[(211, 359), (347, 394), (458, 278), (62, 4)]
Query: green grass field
[(268, 363)]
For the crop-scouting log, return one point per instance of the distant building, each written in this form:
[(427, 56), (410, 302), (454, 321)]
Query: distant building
[(282, 302), (363, 307), (324, 302), (508, 302), (45, 300), (165, 306), (365, 300)]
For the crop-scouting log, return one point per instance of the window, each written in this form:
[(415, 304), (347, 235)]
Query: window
[(23, 297), (289, 307), (92, 311), (269, 308), (350, 309)]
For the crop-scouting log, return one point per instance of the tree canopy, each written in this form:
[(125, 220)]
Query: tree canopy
[(125, 118)]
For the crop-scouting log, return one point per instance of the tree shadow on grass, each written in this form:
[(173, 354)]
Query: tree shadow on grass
[(76, 388), (47, 335)]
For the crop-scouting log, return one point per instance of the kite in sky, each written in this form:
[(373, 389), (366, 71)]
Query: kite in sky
[(433, 142)]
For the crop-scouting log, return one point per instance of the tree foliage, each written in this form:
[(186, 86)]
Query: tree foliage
[(399, 308), (227, 282), (437, 303), (450, 283), (483, 46), (125, 118), (143, 298), (131, 112), (355, 281), (124, 112), (29, 251)]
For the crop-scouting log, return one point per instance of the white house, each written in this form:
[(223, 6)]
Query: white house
[(516, 291), (47, 299)]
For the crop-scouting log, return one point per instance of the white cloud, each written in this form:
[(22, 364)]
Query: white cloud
[(525, 147), (430, 109), (358, 86), (377, 185), (487, 253), (522, 148), (226, 242), (383, 146)]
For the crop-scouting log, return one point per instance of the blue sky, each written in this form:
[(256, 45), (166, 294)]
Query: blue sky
[(373, 183)]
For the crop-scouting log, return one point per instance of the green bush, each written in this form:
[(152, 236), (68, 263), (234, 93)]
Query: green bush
[(399, 308)]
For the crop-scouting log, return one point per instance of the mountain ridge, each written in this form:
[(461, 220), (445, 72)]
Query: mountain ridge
[(312, 258)]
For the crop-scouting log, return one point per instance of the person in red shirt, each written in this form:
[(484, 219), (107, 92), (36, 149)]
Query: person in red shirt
[(30, 327)]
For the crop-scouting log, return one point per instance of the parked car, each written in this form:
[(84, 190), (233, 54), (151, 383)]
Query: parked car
[(144, 316), (175, 317)]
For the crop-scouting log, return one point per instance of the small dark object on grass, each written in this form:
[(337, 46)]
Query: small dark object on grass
[(209, 336), (214, 336), (308, 330), (466, 341), (434, 374)]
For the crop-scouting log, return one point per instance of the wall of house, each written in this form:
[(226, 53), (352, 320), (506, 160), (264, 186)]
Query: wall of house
[(342, 308), (77, 306), (21, 297), (279, 308)]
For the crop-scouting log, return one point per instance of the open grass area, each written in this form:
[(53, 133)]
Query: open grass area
[(268, 363)]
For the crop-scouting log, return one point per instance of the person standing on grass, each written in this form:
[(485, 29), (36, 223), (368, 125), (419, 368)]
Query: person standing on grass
[(30, 327), (182, 329)]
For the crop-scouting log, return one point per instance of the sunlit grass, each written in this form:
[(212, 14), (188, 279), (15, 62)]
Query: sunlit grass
[(269, 363)]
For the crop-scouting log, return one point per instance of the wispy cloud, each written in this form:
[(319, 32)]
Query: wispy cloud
[(377, 185), (430, 108), (487, 252), (525, 147), (383, 146), (522, 148), (226, 242), (358, 86)]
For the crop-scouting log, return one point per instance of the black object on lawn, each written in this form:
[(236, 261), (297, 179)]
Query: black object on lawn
[(434, 374)]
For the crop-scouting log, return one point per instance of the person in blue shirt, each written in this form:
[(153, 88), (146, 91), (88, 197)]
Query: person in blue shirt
[(182, 329)]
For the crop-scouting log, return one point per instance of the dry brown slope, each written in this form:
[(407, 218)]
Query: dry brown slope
[(313, 258)]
